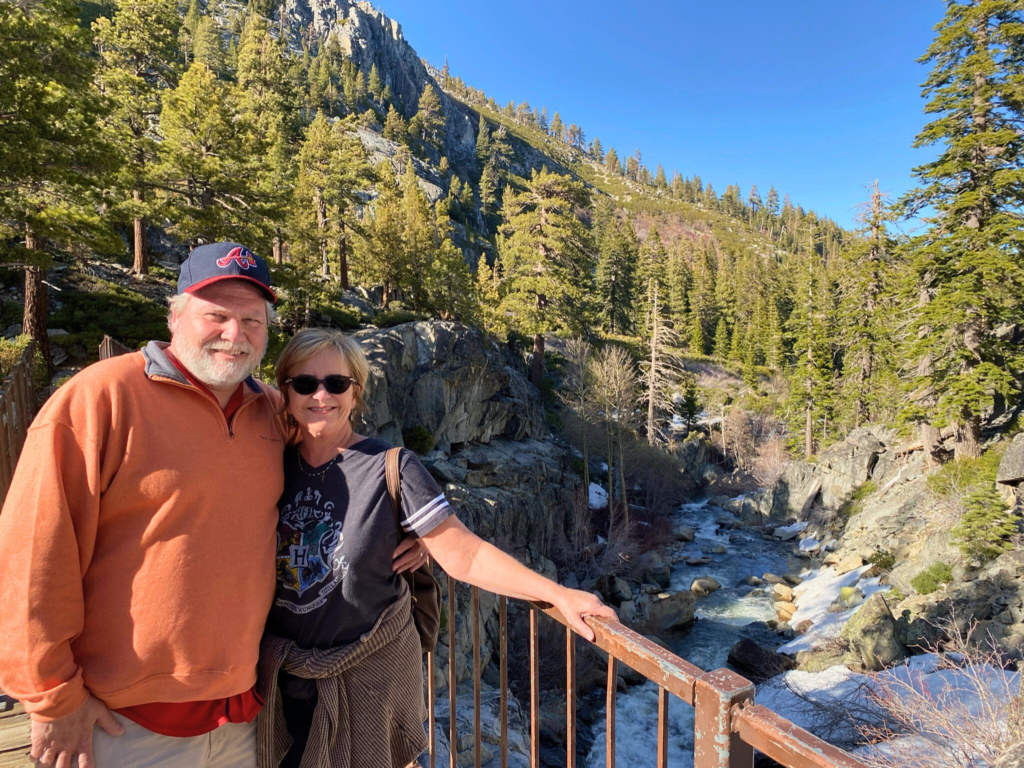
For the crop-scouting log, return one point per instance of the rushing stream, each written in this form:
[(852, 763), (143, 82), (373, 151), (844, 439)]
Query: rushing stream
[(724, 617)]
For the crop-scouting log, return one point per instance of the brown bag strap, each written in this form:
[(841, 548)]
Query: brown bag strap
[(394, 481)]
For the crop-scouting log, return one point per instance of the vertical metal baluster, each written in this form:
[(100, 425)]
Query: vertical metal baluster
[(453, 739), (609, 708), (662, 727), (503, 631), (534, 689), (476, 677), (431, 695), (570, 698)]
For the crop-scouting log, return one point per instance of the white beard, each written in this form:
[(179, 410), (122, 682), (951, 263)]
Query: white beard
[(215, 373)]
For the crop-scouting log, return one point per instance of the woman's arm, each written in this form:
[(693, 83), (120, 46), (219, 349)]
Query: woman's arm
[(465, 556)]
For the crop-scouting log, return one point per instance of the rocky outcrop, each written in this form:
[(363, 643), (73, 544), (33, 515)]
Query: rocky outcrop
[(867, 453), (1011, 466), (368, 38), (757, 663), (871, 633), (447, 379)]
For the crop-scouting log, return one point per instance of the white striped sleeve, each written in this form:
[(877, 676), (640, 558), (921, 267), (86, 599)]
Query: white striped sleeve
[(424, 506)]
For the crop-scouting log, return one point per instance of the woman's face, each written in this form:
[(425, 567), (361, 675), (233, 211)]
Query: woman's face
[(322, 412)]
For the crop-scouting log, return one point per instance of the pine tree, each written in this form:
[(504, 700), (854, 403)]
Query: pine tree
[(722, 342), (382, 258), (488, 189), (202, 167), (265, 106), (53, 159), (483, 143), (137, 49), (703, 313), (810, 328), (546, 256), (208, 46), (616, 286), (660, 181), (597, 151), (542, 122), (431, 117), (450, 288), (557, 127), (967, 270), (395, 127), (374, 85), (611, 162), (187, 33)]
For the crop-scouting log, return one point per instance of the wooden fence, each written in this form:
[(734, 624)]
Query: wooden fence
[(17, 407)]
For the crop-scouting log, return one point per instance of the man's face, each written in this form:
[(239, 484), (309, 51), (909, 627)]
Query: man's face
[(221, 335)]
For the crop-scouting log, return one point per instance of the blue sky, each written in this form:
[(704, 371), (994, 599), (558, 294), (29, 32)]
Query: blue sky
[(818, 98)]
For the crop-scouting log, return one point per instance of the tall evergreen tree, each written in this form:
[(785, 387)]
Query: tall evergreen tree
[(616, 275), (431, 117), (611, 162), (382, 258), (967, 269), (546, 255), (53, 159), (208, 45), (137, 49)]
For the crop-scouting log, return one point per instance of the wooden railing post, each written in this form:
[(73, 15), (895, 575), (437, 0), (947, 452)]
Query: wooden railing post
[(714, 744)]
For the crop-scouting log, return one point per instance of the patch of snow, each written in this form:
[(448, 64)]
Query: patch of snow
[(604, 467), (809, 545), (636, 730), (794, 528), (598, 496), (813, 598)]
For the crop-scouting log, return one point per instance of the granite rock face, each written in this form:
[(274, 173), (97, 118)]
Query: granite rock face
[(368, 38), (447, 379)]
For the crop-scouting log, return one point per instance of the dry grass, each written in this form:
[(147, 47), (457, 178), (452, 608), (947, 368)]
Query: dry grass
[(962, 726)]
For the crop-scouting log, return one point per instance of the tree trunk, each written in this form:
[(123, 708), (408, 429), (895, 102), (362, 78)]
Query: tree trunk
[(611, 477), (930, 442), (538, 359), (36, 300), (809, 435), (622, 491), (652, 375), (278, 249), (968, 437), (141, 265), (343, 258)]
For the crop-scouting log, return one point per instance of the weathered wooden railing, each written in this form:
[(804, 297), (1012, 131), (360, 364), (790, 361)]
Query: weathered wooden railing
[(728, 725), (17, 406)]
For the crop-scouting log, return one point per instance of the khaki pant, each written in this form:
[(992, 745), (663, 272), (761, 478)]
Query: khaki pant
[(230, 746)]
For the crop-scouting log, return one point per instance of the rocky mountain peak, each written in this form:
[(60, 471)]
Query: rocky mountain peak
[(367, 36)]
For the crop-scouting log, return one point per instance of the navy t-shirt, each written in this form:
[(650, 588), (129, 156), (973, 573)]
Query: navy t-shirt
[(335, 538)]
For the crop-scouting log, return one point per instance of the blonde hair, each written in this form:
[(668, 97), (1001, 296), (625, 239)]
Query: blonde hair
[(310, 342)]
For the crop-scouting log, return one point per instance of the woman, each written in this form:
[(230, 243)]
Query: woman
[(342, 654)]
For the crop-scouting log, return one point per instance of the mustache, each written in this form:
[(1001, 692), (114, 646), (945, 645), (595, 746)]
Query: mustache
[(231, 349)]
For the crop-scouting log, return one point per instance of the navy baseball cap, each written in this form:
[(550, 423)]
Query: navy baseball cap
[(224, 261)]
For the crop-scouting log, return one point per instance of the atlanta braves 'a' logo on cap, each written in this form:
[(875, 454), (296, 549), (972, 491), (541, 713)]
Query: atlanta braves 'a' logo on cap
[(241, 255)]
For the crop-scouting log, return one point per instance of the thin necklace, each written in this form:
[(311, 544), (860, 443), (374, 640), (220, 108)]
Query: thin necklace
[(322, 474)]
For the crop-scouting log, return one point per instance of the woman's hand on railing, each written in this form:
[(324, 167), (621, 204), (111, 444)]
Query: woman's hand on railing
[(575, 604)]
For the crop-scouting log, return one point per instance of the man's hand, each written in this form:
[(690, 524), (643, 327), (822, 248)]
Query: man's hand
[(574, 604), (60, 741), (408, 555)]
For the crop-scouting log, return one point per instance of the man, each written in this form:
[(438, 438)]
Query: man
[(138, 539)]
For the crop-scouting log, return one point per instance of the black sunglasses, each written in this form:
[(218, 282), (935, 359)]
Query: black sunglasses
[(336, 384)]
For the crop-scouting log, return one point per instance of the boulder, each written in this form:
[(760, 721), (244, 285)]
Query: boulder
[(655, 569), (771, 578), (757, 663), (1011, 467), (783, 593), (752, 581), (871, 633), (785, 610), (668, 611), (705, 586), (615, 590), (684, 533), (849, 563), (693, 560), (713, 549), (627, 611), (792, 578)]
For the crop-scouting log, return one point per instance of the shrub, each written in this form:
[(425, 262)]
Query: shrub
[(986, 524), (931, 578), (345, 318), (100, 307), (853, 505), (390, 318), (883, 559), (418, 439)]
